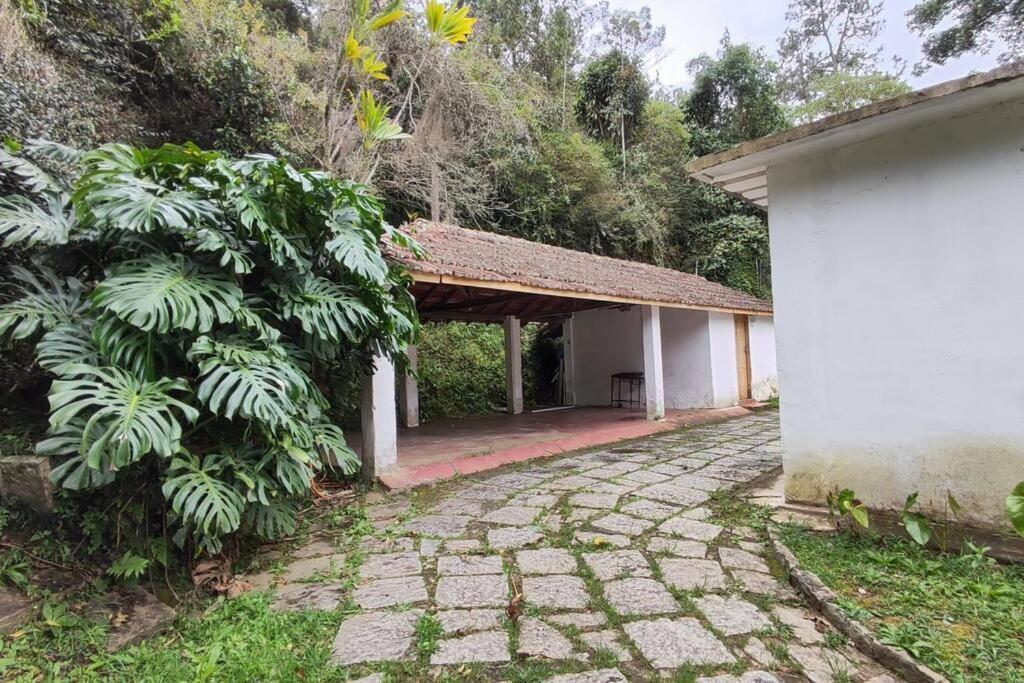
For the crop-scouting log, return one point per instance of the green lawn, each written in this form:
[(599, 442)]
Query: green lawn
[(962, 615)]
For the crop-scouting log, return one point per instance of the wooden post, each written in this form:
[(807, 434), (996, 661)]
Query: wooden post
[(409, 391), (513, 365), (654, 379), (380, 428)]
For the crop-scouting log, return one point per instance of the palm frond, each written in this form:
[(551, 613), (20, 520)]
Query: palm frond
[(126, 417), (202, 499), (46, 302), (324, 309), (25, 223), (169, 292), (353, 247), (236, 378)]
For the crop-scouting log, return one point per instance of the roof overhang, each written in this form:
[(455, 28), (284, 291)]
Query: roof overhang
[(742, 170), (453, 312)]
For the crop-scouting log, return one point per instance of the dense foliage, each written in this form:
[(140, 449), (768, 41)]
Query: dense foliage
[(192, 309), (957, 27)]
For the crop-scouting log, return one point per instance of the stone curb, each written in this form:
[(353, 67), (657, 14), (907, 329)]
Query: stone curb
[(824, 598)]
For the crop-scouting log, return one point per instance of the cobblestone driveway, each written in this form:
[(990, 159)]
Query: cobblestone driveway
[(615, 565)]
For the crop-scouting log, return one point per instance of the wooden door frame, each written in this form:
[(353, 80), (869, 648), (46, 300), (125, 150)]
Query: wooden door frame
[(743, 375)]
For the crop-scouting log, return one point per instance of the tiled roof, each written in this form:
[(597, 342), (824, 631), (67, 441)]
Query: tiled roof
[(454, 252)]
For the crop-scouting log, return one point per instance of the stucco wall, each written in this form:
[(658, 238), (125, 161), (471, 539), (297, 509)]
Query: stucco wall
[(899, 301), (698, 352), (764, 375), (606, 341)]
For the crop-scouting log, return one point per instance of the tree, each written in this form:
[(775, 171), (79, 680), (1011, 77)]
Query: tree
[(836, 93), (976, 26), (825, 38), (733, 98), (613, 92), (631, 33), (189, 313)]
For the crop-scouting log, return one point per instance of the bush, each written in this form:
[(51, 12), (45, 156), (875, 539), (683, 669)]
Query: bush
[(190, 311)]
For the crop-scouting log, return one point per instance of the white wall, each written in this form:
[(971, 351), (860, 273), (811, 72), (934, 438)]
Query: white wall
[(606, 341), (687, 359), (764, 377), (725, 379), (899, 300)]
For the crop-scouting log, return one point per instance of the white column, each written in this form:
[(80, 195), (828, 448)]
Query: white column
[(380, 427), (513, 365), (568, 360), (654, 378), (409, 391)]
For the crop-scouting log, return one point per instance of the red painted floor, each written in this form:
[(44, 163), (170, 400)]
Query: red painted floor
[(443, 449)]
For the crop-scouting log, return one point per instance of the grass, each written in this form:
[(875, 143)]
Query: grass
[(962, 615)]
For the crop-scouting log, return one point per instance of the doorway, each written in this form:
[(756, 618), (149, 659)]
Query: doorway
[(743, 355)]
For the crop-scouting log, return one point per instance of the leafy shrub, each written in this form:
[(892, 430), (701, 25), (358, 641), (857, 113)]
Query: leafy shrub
[(190, 310)]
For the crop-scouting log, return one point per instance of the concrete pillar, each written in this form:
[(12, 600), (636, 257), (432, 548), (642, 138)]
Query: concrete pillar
[(380, 426), (654, 377), (513, 365), (409, 391), (569, 371)]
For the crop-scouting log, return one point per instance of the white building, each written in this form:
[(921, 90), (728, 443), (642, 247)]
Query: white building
[(898, 275), (696, 343)]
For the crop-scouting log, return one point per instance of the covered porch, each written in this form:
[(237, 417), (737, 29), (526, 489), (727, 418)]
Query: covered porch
[(479, 277)]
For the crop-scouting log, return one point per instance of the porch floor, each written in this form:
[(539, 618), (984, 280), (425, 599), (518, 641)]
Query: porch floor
[(446, 448)]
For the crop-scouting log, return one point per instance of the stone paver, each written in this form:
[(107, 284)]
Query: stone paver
[(487, 646), (512, 515), (513, 537), (465, 565), (389, 592), (690, 528), (617, 564), (688, 573), (376, 637), (631, 597), (459, 622), (668, 643), (555, 592), (732, 616), (390, 565), (660, 539), (741, 559), (546, 561), (621, 524), (607, 640), (537, 639), (486, 590), (678, 547)]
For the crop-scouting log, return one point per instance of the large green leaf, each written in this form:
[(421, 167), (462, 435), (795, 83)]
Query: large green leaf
[(324, 309), (355, 248), (64, 347), (127, 203), (233, 252), (1015, 507), (24, 223), (73, 471), (199, 494), (126, 346), (29, 176), (333, 449), (164, 293), (273, 520), (125, 417), (46, 301), (236, 378)]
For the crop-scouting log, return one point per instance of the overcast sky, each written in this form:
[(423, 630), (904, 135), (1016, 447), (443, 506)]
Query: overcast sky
[(695, 26)]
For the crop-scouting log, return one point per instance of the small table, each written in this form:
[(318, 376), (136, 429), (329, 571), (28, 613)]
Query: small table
[(629, 380)]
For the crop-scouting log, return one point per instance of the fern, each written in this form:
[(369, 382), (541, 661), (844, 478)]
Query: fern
[(169, 292)]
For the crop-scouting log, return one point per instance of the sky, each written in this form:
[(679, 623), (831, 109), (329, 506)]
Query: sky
[(696, 26)]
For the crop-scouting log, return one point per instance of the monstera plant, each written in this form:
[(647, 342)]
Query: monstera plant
[(189, 308)]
